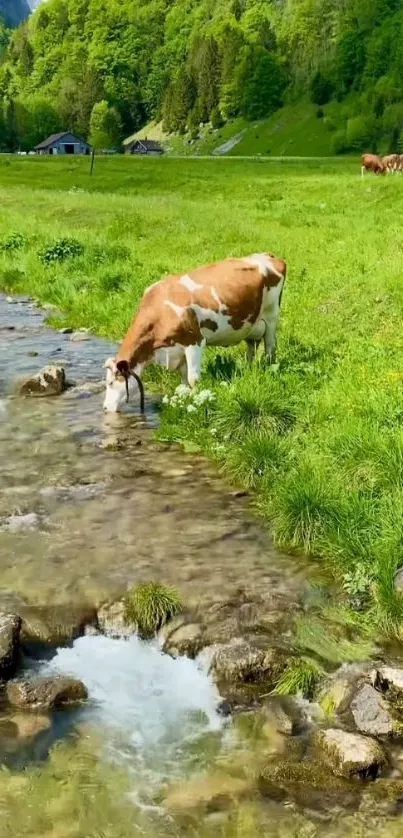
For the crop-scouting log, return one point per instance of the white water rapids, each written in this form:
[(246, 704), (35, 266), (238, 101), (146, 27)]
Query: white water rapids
[(150, 709)]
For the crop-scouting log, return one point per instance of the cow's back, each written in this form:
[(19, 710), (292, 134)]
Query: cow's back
[(223, 300)]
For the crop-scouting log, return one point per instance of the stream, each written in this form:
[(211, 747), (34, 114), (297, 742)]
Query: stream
[(91, 504)]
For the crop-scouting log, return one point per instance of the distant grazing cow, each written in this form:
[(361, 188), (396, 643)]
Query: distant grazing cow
[(372, 163), (216, 305), (391, 163)]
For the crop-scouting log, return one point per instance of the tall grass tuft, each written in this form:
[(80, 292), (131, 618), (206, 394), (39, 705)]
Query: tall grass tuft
[(300, 677), (305, 507), (259, 455), (150, 606)]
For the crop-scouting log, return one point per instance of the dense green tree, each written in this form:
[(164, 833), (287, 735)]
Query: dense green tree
[(189, 61), (105, 126)]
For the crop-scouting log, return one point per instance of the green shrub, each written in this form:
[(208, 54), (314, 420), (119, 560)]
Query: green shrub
[(60, 250), (339, 142), (150, 606), (15, 241)]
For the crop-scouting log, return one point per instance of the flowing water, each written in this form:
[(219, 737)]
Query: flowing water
[(90, 504)]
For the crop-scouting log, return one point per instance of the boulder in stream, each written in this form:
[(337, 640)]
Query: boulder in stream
[(388, 677), (55, 625), (371, 713), (10, 625), (350, 754), (45, 692), (112, 620), (240, 661), (49, 381)]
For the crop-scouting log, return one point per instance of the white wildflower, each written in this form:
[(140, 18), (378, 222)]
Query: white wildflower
[(204, 397), (213, 431), (183, 391), (165, 400), (191, 408)]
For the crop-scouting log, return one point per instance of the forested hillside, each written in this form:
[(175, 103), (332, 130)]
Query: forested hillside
[(106, 67)]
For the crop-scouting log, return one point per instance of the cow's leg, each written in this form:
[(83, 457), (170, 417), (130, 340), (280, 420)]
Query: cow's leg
[(194, 355), (271, 318), (183, 369), (251, 350), (362, 171)]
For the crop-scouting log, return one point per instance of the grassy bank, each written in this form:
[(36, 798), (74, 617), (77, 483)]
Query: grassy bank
[(319, 437)]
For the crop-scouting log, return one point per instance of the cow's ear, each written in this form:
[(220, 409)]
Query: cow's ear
[(123, 368)]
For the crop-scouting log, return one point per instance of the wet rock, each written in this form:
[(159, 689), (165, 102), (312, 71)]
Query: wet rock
[(370, 712), (29, 725), (207, 793), (50, 381), (32, 354), (112, 621), (240, 661), (350, 754), (45, 692), (66, 331), (185, 640), (80, 335), (386, 677), (277, 717), (55, 625), (18, 523), (307, 783), (338, 691), (10, 625)]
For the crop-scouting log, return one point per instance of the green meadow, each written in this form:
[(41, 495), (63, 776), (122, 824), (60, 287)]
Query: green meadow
[(317, 438)]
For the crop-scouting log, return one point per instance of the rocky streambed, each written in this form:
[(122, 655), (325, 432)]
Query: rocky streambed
[(91, 506)]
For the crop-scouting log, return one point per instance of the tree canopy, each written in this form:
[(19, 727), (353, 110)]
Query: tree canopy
[(102, 68)]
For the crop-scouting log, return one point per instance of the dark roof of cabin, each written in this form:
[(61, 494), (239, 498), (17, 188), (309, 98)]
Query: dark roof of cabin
[(54, 138), (150, 145)]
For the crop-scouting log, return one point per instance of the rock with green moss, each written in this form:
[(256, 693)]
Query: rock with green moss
[(339, 688), (113, 622), (186, 639), (385, 677), (307, 783), (350, 754), (10, 625), (55, 625), (45, 692)]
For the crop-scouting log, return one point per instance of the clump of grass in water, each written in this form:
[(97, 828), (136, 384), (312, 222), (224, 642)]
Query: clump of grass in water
[(300, 676), (150, 606)]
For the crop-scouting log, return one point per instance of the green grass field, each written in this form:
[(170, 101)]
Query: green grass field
[(319, 437)]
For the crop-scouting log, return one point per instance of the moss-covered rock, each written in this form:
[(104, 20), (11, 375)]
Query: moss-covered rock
[(350, 754), (308, 783)]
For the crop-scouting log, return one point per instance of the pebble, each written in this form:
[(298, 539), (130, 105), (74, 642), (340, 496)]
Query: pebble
[(81, 335), (32, 354)]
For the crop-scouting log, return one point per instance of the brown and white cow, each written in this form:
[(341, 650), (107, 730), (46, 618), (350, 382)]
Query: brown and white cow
[(391, 163), (372, 163), (216, 305)]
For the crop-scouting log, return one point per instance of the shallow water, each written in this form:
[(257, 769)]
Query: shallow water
[(107, 506), (90, 504)]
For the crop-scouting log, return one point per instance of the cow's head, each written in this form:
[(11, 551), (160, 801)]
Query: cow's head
[(116, 386), (118, 375)]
